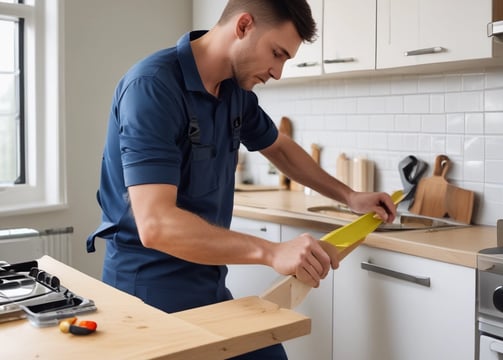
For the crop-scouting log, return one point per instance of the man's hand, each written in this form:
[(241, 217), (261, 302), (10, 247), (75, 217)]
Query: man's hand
[(378, 202), (302, 257)]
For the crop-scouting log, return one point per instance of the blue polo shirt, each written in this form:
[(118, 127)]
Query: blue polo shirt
[(148, 142)]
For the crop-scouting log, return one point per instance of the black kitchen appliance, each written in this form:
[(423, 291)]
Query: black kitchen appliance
[(490, 299), (29, 292)]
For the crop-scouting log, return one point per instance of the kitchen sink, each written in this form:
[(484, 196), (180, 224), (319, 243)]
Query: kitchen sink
[(403, 221)]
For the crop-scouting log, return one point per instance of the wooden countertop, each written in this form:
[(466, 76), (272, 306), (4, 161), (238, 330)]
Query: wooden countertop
[(130, 329), (452, 245)]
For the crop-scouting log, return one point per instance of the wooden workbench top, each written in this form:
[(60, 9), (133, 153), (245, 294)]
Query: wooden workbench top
[(130, 329), (453, 245)]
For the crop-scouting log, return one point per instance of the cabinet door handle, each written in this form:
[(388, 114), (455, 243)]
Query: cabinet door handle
[(495, 28), (424, 281), (496, 346), (339, 61), (306, 64), (432, 50)]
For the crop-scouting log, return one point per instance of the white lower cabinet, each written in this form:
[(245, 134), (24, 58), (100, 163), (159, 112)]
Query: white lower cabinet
[(381, 310), (381, 313), (318, 306), (248, 280)]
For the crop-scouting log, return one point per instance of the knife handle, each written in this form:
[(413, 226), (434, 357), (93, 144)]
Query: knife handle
[(337, 253), (332, 251)]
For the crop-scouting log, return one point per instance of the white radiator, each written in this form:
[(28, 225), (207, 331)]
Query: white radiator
[(17, 245)]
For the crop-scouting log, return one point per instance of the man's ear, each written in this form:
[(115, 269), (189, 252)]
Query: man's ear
[(244, 24)]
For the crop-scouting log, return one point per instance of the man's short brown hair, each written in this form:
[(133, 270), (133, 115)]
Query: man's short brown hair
[(273, 12)]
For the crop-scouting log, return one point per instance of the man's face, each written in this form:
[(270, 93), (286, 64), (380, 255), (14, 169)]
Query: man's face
[(262, 54)]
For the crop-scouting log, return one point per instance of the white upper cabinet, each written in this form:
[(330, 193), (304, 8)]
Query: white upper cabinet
[(307, 61), (349, 33), (367, 35), (412, 32)]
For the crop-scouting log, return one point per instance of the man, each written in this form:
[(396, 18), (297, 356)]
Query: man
[(177, 120)]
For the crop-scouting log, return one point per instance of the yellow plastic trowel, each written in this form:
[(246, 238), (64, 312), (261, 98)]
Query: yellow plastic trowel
[(289, 292)]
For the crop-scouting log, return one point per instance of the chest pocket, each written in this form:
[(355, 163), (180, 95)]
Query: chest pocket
[(204, 176)]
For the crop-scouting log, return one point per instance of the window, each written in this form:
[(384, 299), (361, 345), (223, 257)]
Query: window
[(31, 166), (11, 96)]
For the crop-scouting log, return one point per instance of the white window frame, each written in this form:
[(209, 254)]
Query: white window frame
[(45, 187)]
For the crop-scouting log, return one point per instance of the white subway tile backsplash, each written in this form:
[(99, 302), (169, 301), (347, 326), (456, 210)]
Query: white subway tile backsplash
[(357, 87), (416, 104), (493, 100), (383, 123), (378, 141), (371, 105), (455, 172), (454, 145), (494, 172), (424, 144), (493, 123), (474, 148), (398, 142), (494, 193), (393, 104), (464, 101), (433, 123), (336, 88), (494, 79), (346, 106), (431, 84), (455, 123), (380, 86), (474, 123), (347, 140), (438, 144), (322, 106), (453, 82), (407, 123), (494, 149), (389, 117), (335, 122), (300, 107), (358, 122), (473, 171), (488, 212), (404, 84), (473, 82), (437, 103)]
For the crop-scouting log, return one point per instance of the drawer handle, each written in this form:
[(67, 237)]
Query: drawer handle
[(306, 64), (432, 50), (339, 61), (424, 281)]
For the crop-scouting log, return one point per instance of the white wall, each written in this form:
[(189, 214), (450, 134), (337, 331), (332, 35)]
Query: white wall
[(103, 39), (389, 117)]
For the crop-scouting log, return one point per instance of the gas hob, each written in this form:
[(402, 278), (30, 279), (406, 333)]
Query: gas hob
[(29, 292)]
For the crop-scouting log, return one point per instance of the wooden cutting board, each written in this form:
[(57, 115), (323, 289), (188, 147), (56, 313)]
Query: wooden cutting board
[(285, 127), (436, 197)]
